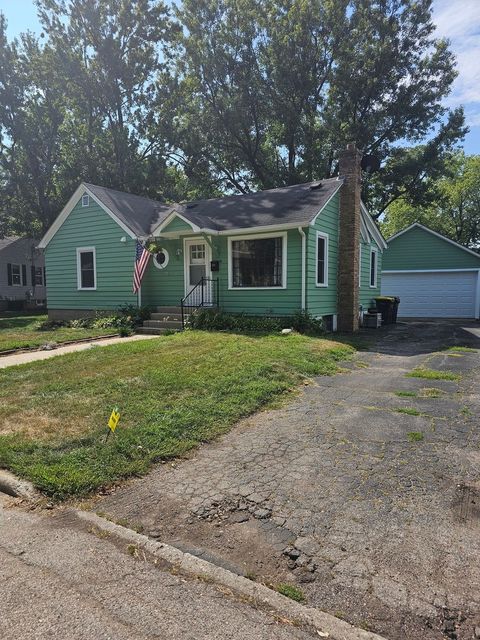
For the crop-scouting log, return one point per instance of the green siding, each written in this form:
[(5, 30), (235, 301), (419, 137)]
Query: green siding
[(368, 293), (165, 287), (323, 300), (90, 227), (177, 224), (419, 249)]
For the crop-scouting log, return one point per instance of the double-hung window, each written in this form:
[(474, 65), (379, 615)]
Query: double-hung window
[(322, 259), (258, 262), (373, 268), (16, 275), (86, 268), (37, 273)]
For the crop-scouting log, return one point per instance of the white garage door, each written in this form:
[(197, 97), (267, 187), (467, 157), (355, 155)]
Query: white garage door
[(447, 294)]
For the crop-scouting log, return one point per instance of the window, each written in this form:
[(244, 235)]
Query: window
[(373, 268), (322, 259), (86, 268), (258, 262), (16, 275), (160, 259), (85, 200), (37, 273)]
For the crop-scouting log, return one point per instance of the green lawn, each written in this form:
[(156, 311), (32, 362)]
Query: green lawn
[(173, 393), (20, 332)]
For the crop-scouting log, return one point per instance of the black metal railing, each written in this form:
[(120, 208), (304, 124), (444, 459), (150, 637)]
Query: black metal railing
[(203, 294)]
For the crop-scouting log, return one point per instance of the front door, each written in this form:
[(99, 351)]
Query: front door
[(197, 266)]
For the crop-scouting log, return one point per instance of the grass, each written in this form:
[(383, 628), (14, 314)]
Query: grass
[(432, 374), (409, 411), (430, 392), (462, 349), (292, 592), (406, 394), (173, 393), (415, 436), (21, 332)]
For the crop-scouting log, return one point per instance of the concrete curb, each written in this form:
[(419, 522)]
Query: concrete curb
[(15, 487), (326, 625)]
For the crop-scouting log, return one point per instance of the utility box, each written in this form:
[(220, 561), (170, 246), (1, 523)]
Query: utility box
[(372, 320)]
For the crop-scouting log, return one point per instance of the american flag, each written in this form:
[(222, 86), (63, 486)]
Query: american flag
[(142, 257)]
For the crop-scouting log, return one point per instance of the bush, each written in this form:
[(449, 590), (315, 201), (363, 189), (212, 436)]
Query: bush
[(216, 320), (136, 315), (50, 325)]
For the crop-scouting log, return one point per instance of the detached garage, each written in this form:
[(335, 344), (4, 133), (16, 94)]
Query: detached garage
[(433, 276)]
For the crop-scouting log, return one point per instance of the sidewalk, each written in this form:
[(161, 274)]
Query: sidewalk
[(33, 356), (59, 579)]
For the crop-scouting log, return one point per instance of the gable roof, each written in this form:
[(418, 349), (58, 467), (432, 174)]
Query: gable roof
[(5, 242), (290, 206), (434, 233)]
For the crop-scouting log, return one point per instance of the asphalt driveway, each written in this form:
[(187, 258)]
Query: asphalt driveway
[(364, 490)]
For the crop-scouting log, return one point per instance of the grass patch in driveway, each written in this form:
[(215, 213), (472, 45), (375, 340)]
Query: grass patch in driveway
[(415, 436), (173, 393), (462, 349), (406, 394), (410, 411), (432, 374), (292, 592), (430, 392), (22, 332)]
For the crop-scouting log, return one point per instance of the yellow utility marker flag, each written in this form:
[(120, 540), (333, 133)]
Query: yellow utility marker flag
[(113, 420)]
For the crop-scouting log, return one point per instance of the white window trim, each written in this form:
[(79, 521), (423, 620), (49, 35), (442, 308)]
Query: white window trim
[(85, 200), (258, 236), (167, 259), (373, 286), (19, 275), (360, 265), (81, 250), (323, 285)]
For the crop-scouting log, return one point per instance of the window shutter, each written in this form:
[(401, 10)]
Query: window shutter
[(24, 275), (9, 274), (32, 273), (44, 277)]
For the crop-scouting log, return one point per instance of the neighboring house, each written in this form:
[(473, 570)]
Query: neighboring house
[(309, 246), (434, 276), (22, 270)]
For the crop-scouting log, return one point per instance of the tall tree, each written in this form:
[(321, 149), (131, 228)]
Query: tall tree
[(455, 206), (275, 88)]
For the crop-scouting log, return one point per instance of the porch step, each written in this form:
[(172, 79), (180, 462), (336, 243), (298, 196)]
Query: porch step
[(166, 316), (168, 310), (163, 324)]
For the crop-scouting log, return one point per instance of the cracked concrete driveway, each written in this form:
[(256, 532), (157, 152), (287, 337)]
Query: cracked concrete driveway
[(365, 489)]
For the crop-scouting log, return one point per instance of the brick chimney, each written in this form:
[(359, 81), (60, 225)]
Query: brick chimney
[(349, 239)]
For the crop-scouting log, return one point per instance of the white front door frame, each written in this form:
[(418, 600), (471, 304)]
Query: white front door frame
[(187, 242)]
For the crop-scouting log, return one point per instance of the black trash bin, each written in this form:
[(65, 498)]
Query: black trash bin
[(385, 307), (396, 302)]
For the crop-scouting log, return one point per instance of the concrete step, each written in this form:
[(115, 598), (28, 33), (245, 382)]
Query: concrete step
[(155, 331), (166, 316), (163, 324), (168, 310)]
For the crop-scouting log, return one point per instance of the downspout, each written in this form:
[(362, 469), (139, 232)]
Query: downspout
[(304, 262), (477, 298)]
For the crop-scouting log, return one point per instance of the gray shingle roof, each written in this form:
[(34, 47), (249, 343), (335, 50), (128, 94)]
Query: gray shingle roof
[(5, 242), (295, 204), (140, 214)]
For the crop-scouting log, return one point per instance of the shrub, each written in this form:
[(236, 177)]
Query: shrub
[(217, 320), (49, 325), (135, 314)]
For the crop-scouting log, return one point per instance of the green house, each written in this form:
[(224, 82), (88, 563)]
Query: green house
[(272, 252), (433, 276)]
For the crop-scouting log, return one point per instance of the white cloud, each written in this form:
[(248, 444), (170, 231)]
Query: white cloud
[(459, 21)]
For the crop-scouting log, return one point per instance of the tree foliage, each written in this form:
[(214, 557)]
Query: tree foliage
[(455, 209), (222, 96)]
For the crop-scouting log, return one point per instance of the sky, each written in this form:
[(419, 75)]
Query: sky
[(457, 20)]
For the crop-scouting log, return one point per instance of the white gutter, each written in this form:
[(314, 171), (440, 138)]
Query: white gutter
[(304, 262)]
